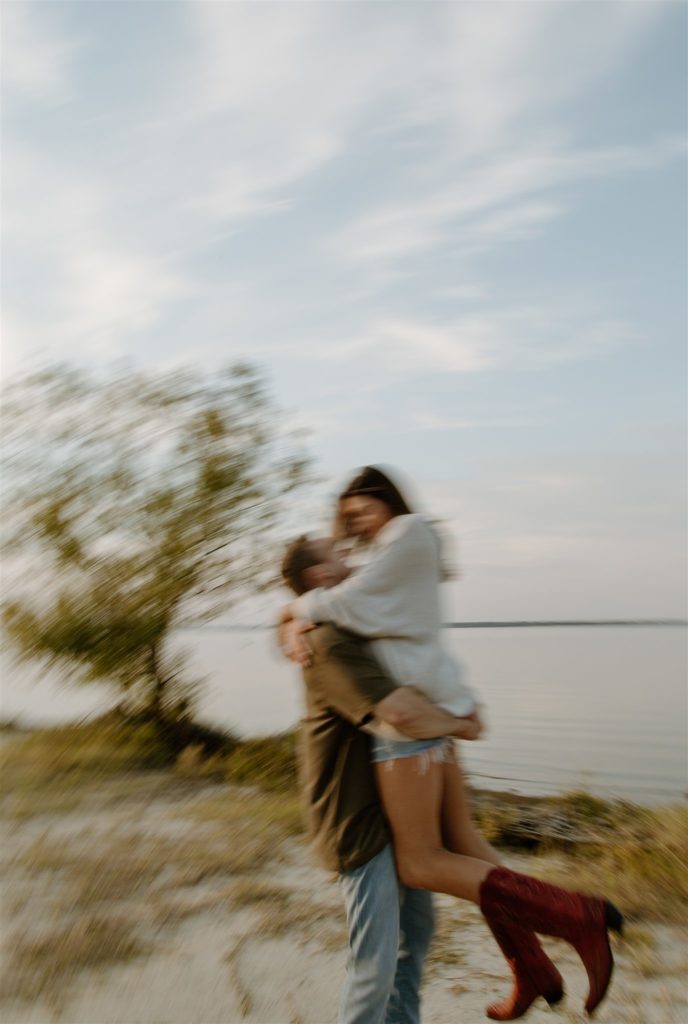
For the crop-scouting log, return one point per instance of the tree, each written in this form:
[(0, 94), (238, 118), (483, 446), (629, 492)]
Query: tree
[(136, 503)]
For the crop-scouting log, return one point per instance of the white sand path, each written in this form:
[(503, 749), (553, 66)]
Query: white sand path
[(282, 960)]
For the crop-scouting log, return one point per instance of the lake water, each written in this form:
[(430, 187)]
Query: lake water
[(600, 708)]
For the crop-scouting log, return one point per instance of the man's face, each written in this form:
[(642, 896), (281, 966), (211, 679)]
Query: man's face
[(331, 567)]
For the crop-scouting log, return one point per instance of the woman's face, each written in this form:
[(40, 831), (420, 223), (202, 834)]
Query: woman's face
[(365, 515)]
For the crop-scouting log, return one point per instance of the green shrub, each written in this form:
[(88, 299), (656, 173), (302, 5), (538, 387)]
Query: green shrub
[(81, 752), (269, 762), (639, 864)]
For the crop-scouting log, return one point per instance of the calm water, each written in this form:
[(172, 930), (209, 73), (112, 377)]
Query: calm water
[(601, 708)]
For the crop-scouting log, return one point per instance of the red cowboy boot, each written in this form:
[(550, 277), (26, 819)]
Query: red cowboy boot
[(534, 973), (514, 899)]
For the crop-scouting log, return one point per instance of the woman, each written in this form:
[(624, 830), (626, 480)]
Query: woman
[(393, 599)]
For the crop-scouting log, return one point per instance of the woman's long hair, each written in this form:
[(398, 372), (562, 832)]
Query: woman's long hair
[(372, 482)]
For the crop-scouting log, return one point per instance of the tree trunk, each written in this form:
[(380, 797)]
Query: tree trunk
[(156, 706)]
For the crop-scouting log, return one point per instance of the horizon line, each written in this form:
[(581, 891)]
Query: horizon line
[(474, 624)]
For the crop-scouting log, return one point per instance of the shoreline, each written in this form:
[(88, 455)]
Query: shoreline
[(509, 793)]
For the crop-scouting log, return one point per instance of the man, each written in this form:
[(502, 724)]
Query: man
[(390, 925)]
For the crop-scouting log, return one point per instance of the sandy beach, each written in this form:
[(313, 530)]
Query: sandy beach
[(155, 901)]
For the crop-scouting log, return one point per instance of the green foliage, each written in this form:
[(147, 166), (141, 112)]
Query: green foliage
[(641, 864), (635, 855), (143, 502), (552, 823), (269, 762), (85, 752), (284, 809), (47, 764), (44, 770), (584, 807)]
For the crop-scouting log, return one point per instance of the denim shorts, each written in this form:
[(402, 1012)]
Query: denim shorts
[(388, 750)]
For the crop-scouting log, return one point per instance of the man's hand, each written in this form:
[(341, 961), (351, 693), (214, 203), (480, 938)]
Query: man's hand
[(410, 712), (470, 727), (292, 640)]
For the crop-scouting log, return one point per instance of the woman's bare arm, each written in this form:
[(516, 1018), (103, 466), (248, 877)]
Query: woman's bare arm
[(368, 601)]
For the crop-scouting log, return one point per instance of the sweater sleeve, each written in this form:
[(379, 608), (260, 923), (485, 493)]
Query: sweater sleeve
[(371, 602)]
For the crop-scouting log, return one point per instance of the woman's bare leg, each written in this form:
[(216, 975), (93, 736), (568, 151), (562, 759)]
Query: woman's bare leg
[(458, 829), (533, 972), (412, 791)]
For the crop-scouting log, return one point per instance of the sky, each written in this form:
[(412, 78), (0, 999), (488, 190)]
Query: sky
[(453, 234)]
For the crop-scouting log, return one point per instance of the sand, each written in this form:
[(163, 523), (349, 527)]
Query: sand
[(265, 945)]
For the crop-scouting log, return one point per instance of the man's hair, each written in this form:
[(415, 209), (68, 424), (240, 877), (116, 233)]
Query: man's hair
[(299, 556)]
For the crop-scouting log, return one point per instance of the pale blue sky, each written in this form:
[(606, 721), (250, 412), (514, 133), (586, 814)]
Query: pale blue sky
[(454, 233)]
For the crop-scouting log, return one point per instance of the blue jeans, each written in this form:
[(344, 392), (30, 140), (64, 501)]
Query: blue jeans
[(390, 927)]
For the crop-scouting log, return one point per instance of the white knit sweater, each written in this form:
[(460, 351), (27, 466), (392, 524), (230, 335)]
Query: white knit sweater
[(394, 601)]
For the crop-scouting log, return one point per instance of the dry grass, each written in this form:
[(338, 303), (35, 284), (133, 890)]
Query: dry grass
[(80, 752), (442, 953), (245, 892), (636, 856), (134, 788), (642, 866), (45, 965), (119, 868), (231, 958), (268, 762), (170, 912), (332, 939), (133, 873), (55, 771), (560, 822), (646, 962), (250, 892), (299, 915), (283, 811), (248, 850), (23, 804), (282, 912)]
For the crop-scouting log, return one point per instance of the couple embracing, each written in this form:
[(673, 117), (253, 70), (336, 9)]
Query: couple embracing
[(380, 770)]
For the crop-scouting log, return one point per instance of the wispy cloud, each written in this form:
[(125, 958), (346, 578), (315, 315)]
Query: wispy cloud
[(98, 288), (501, 70), (492, 202), (283, 86), (452, 110), (38, 53), (487, 339), (431, 421)]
